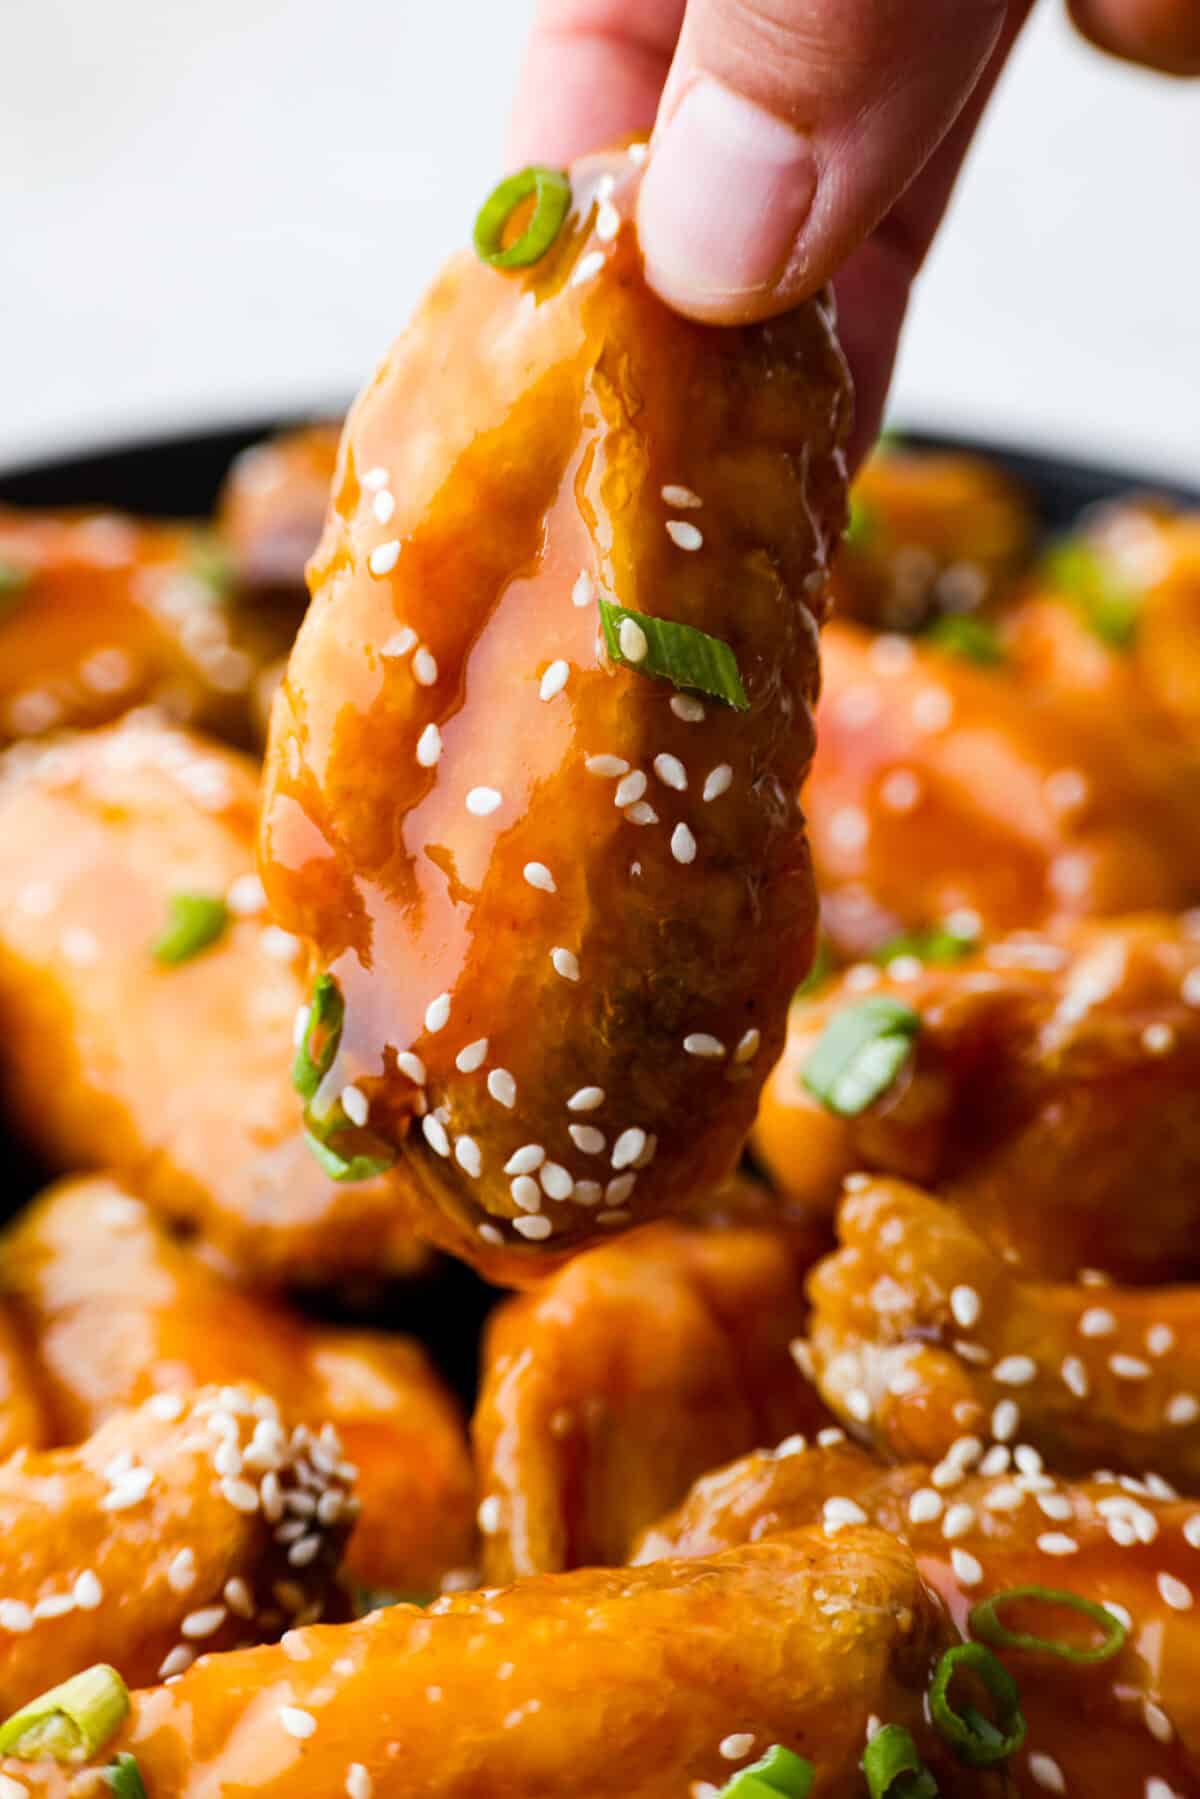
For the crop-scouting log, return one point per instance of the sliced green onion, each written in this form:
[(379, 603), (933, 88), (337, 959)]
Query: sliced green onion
[(322, 1034), (212, 566), (820, 971), (893, 1768), (863, 527), (688, 658), (984, 1622), (194, 921), (1108, 604), (940, 946), (344, 1168), (70, 1722), (778, 1772), (13, 581), (553, 192), (976, 1740), (125, 1778), (859, 1054), (971, 638)]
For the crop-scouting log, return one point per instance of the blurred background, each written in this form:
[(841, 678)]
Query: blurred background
[(218, 211)]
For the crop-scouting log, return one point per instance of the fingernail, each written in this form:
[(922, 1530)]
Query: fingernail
[(725, 195)]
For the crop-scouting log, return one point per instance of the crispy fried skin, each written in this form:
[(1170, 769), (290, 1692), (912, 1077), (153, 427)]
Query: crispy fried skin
[(1052, 1098), (99, 612), (618, 1685), (272, 507), (932, 534), (627, 1374), (143, 1506), (1111, 1728), (526, 427), (120, 1311), (175, 1076), (1100, 1376)]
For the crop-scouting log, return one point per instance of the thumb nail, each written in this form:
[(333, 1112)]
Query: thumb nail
[(725, 195)]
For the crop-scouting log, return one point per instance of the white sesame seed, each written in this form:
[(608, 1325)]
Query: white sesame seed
[(535, 1227), (700, 1043), (619, 1189), (1189, 991), (632, 640), (924, 1506), (1156, 1720), (958, 1521), (297, 1722), (240, 1495), (1160, 1339), (684, 534), (687, 707), (384, 557), (204, 1622), (412, 1066), (526, 1160), (1055, 1505), (238, 1597), (489, 1234), (900, 790), (719, 781), (1006, 1420), (630, 789), (628, 1147), (1129, 1367), (483, 800), (1157, 1788), (246, 896), (15, 1616), (178, 1661), (671, 772), (437, 1013), (966, 1567), (1015, 1371), (383, 506), (359, 1784), (434, 1133), (748, 1045), (401, 643), (1075, 1376), (1046, 1773), (1182, 1408), (425, 668), (429, 747), (1191, 1530), (966, 1307), (607, 767), (588, 1193), (526, 1193), (538, 875), (683, 844), (682, 498), (166, 1406), (375, 478), (830, 1437), (354, 1105), (1158, 1039), (737, 1744), (1027, 1458), (588, 267), (468, 1156), (54, 1605), (838, 1512), (858, 1403), (849, 829), (1056, 1542), (473, 1056), (554, 680), (586, 1138), (641, 814), (583, 593), (556, 1182), (608, 222), (932, 709), (638, 154), (502, 1087), (1097, 1321), (1175, 1593), (586, 1099), (565, 963)]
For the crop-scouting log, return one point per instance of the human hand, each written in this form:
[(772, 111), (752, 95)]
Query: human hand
[(796, 140)]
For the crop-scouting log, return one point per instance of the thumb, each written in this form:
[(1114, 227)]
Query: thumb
[(787, 130)]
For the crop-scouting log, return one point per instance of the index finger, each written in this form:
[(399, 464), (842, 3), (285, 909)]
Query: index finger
[(593, 73)]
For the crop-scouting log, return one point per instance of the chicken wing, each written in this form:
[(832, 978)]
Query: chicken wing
[(180, 1527), (120, 1311), (632, 1683), (921, 1333), (99, 612), (562, 895), (163, 1055), (1048, 1093), (1116, 1727), (628, 1373)]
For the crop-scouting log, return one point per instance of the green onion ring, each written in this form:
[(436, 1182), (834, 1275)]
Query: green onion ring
[(553, 191), (984, 1623), (978, 1741), (195, 921), (326, 1015), (125, 1778), (779, 1774), (893, 1768), (71, 1721)]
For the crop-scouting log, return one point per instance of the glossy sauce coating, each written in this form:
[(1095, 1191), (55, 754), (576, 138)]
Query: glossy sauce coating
[(539, 876), (144, 1543), (99, 612), (175, 1076), (1111, 1727), (620, 1685), (119, 1311), (627, 1374), (920, 1333), (1051, 1097)]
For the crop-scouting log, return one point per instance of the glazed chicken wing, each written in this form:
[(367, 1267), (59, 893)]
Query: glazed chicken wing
[(630, 1684), (152, 1044), (175, 1529), (628, 1373), (1116, 1726), (560, 883), (921, 1333), (99, 612), (119, 1311), (1046, 1087)]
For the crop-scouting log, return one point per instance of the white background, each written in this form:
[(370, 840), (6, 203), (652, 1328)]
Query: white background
[(210, 210)]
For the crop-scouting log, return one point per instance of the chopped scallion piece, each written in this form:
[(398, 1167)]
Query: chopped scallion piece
[(779, 1774), (70, 1722), (194, 921), (863, 527), (984, 1622), (1108, 604), (688, 658), (971, 638), (212, 566), (939, 945), (980, 1742), (345, 1168), (859, 1054), (125, 1778), (893, 1768), (322, 1034), (551, 191)]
